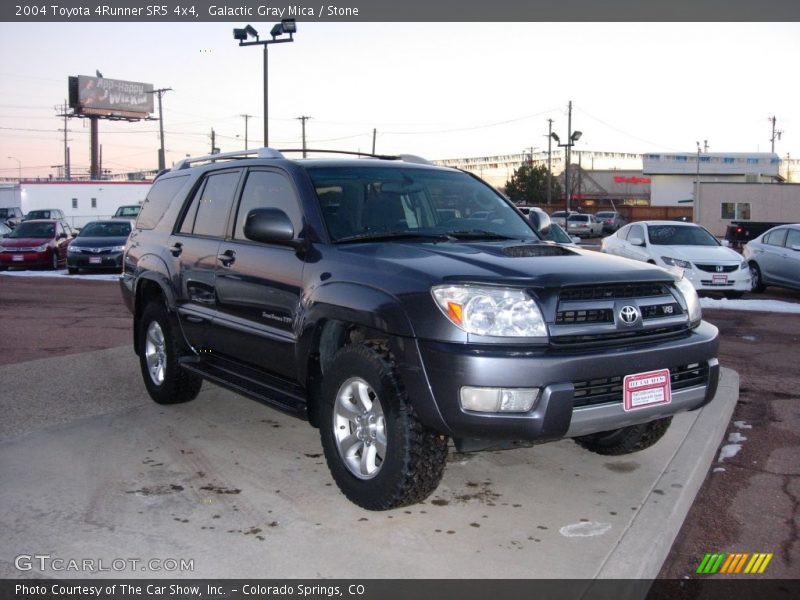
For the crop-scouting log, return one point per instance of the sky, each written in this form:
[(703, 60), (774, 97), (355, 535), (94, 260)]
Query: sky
[(438, 90)]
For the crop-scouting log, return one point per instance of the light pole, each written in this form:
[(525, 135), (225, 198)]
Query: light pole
[(285, 26), (162, 162), (19, 166), (574, 137)]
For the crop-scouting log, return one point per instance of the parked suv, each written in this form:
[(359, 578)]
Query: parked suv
[(46, 213), (366, 296)]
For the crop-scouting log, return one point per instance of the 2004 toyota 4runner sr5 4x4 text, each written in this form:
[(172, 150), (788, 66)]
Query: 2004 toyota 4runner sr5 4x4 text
[(396, 305)]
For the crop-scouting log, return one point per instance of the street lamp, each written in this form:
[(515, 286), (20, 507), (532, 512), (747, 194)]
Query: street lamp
[(573, 137), (19, 166), (285, 26)]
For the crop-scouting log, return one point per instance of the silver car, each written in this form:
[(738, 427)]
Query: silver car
[(774, 258)]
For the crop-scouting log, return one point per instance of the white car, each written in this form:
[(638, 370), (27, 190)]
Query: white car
[(584, 226), (707, 263), (560, 217)]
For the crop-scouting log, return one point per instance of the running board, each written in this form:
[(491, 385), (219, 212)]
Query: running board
[(258, 386)]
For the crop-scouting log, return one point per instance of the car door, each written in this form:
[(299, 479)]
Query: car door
[(259, 285), (770, 254), (194, 249), (787, 268)]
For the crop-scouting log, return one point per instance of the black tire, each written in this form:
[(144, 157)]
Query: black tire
[(414, 456), (168, 383), (72, 270), (626, 440), (756, 281), (54, 263)]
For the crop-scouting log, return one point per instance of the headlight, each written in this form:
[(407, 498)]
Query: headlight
[(692, 300), (72, 249), (41, 248), (677, 262), (501, 312), (118, 248), (744, 265)]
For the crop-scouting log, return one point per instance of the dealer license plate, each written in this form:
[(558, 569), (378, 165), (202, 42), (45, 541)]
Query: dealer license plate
[(18, 258), (719, 279), (646, 389), (95, 260)]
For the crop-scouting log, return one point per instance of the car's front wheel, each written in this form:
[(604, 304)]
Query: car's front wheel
[(379, 453), (756, 282), (159, 353), (625, 440)]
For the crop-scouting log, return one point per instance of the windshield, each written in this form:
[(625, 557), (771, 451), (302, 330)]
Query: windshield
[(127, 211), (104, 229), (680, 235), (4, 212), (38, 214), (364, 203), (34, 230)]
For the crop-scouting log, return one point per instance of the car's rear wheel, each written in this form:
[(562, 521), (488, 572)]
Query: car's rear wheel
[(756, 281), (380, 455), (159, 353), (625, 440), (72, 270)]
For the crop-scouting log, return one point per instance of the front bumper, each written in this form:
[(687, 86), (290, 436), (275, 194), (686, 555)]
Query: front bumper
[(560, 410), (9, 258), (705, 281), (94, 261)]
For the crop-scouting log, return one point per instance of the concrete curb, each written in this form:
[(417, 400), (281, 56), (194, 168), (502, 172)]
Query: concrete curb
[(642, 549)]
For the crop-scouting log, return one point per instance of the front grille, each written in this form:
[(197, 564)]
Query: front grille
[(608, 390), (601, 315), (19, 250), (713, 268), (614, 291)]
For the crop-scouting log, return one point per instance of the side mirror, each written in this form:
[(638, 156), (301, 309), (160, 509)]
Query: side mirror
[(540, 220), (62, 236), (636, 241), (269, 226), (575, 240), (725, 243)]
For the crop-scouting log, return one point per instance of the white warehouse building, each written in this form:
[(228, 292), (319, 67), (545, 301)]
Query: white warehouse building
[(81, 201), (674, 176)]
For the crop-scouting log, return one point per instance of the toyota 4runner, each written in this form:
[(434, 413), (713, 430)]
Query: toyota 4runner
[(396, 305)]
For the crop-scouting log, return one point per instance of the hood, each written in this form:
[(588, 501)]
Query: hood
[(99, 242), (699, 254), (399, 267), (24, 242)]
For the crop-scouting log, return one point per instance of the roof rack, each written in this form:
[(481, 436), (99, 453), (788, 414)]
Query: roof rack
[(273, 153), (257, 152)]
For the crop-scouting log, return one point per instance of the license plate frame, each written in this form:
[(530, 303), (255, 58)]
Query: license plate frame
[(718, 279)]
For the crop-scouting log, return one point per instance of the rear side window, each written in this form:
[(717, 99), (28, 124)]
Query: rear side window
[(158, 201), (208, 214), (775, 238), (793, 238)]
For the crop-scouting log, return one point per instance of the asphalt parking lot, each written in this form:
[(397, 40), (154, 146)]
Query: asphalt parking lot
[(96, 467)]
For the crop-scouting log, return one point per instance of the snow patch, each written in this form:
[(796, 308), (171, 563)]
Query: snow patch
[(718, 470), (62, 274), (585, 529), (728, 451), (753, 305), (742, 425), (736, 438)]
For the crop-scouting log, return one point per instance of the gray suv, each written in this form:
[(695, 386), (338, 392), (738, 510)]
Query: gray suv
[(397, 305)]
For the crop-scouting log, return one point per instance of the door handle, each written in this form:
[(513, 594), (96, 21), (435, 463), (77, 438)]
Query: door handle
[(227, 258), (176, 249)]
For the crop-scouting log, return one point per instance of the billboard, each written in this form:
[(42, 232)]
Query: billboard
[(110, 97)]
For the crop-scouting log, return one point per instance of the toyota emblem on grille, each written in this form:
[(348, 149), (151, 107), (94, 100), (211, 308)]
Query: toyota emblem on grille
[(628, 314)]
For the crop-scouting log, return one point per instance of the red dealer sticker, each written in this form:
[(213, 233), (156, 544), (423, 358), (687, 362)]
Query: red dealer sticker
[(646, 389)]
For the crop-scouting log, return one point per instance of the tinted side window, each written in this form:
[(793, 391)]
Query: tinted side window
[(158, 200), (265, 189), (215, 204)]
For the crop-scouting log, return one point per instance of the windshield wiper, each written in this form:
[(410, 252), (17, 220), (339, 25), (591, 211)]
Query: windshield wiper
[(479, 234), (394, 235)]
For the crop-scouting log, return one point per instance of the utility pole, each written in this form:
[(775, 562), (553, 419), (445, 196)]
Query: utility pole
[(567, 195), (705, 145), (697, 189), (162, 163), (63, 109), (303, 119), (374, 133), (530, 150), (246, 118), (775, 133), (549, 161), (214, 149)]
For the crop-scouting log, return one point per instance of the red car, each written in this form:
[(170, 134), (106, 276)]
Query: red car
[(39, 243)]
